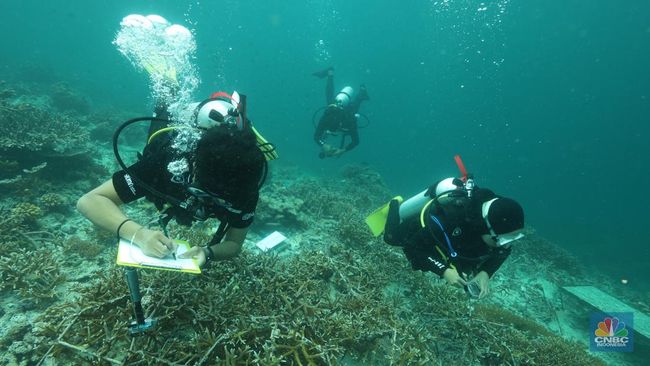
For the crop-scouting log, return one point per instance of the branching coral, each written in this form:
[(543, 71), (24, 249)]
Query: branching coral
[(34, 274), (83, 248), (315, 308), (347, 298), (25, 127)]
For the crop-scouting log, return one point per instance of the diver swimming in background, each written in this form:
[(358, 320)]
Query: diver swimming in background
[(454, 229), (217, 174), (340, 116)]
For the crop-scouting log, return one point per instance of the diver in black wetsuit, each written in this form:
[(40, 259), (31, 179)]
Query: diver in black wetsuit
[(463, 234), (340, 116), (221, 180)]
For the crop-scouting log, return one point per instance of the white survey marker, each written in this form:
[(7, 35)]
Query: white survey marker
[(270, 242)]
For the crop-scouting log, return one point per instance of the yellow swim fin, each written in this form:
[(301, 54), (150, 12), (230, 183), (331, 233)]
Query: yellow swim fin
[(267, 148), (159, 67), (376, 221)]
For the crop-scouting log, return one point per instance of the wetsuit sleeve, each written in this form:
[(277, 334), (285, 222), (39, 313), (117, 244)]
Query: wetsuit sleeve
[(129, 189), (323, 124), (415, 241), (426, 260), (491, 265), (244, 218), (410, 236)]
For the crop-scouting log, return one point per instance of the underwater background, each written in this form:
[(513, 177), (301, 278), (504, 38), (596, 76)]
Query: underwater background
[(547, 102)]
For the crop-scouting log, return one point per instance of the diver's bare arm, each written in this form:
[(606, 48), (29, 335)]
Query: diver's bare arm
[(101, 206), (231, 246)]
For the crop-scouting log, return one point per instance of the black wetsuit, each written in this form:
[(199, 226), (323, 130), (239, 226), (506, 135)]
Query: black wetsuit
[(339, 120), (427, 248), (151, 169)]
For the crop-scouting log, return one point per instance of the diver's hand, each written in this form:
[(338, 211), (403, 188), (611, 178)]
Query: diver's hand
[(154, 243), (197, 253), (337, 152), (483, 280), (330, 152), (326, 151), (453, 278)]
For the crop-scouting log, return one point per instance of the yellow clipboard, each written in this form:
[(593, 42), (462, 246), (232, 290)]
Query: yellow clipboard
[(130, 255)]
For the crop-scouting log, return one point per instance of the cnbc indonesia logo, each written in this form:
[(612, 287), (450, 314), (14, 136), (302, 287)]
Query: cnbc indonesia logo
[(611, 334)]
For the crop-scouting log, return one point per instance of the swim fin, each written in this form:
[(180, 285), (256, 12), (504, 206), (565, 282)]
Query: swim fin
[(376, 221), (160, 67), (363, 93), (267, 148), (323, 73)]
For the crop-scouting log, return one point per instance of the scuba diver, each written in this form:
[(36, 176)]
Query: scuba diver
[(340, 116), (454, 229), (217, 175), (221, 179)]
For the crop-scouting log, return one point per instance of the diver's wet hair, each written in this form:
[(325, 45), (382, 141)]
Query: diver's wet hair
[(229, 163)]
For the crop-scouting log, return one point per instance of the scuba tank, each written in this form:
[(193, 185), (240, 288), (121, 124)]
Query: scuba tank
[(413, 205), (418, 202), (376, 221), (344, 97)]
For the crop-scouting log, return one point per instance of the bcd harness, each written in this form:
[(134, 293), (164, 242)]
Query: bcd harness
[(456, 209)]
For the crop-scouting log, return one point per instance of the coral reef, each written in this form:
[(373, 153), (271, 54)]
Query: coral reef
[(83, 248), (5, 91), (46, 158), (37, 141), (339, 296), (544, 254), (315, 308), (291, 202), (53, 201), (27, 127), (348, 299), (280, 206), (65, 98), (33, 274), (25, 213)]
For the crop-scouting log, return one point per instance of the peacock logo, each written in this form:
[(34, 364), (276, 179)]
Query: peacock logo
[(612, 332), (611, 327)]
